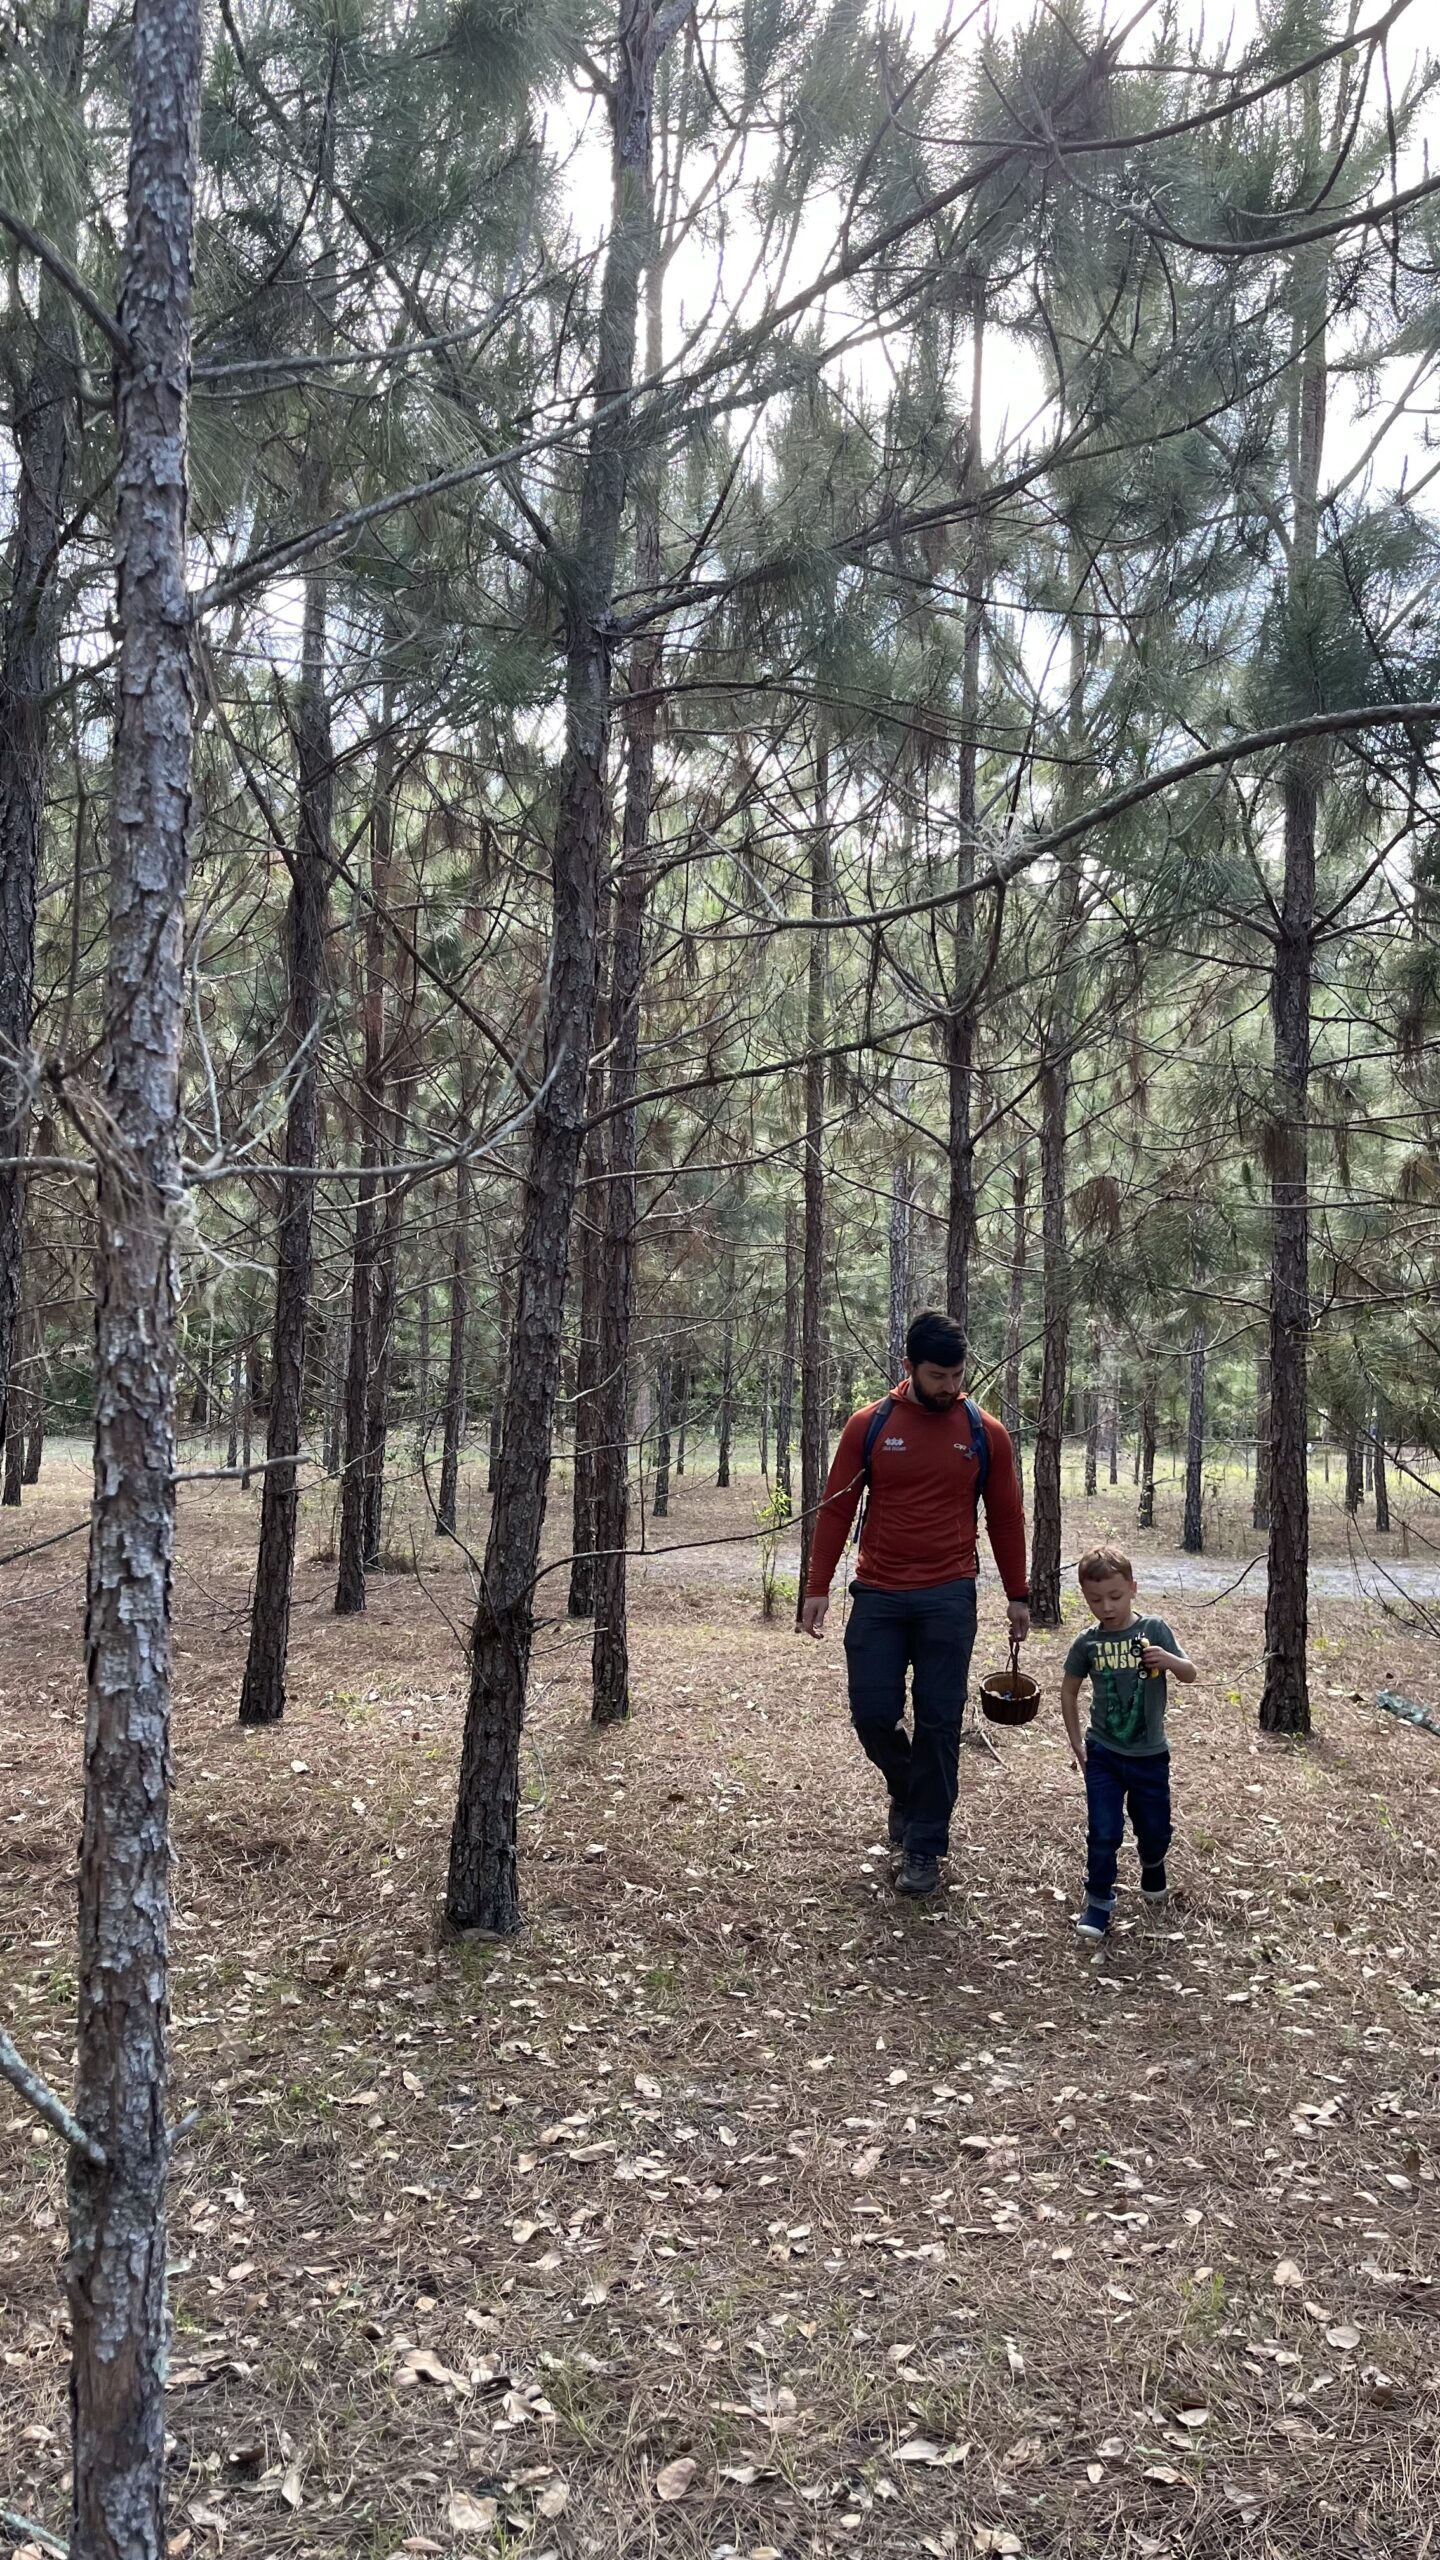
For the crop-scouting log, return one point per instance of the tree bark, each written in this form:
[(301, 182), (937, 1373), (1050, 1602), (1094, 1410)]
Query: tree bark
[(590, 1224), (447, 1507), (1145, 1511), (1381, 1479), (24, 1362), (1260, 1507), (43, 401), (1091, 1393), (1112, 1422), (1015, 1309), (482, 1889), (664, 1376), (960, 1020), (789, 1352), (1354, 1468), (610, 1654), (115, 2269), (383, 1304), (262, 1696), (237, 1398), (1193, 1533), (812, 1285), (901, 1180), (496, 1437), (422, 1364), (727, 1380), (1050, 1418), (377, 1209), (1285, 1697)]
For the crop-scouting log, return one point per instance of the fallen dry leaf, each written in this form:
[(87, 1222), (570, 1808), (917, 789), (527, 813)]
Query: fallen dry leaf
[(672, 2483), (472, 2515), (1343, 2337), (420, 2364), (1288, 2276)]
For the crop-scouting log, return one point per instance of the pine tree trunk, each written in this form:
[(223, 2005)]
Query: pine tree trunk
[(1285, 1698), (610, 1655), (482, 1888), (1015, 1309), (960, 1020), (237, 1398), (446, 1511), (39, 428), (350, 1581), (35, 1433), (727, 1381), (1381, 1480), (1193, 1534), (382, 1357), (422, 1365), (812, 1285), (901, 1179), (17, 1406), (1149, 1433), (336, 1359), (496, 1438), (1260, 1508), (1050, 1418), (376, 1225), (682, 1406), (1354, 1469), (115, 2267), (1092, 1418), (589, 1243), (764, 1431), (664, 1378), (247, 1421), (789, 1351), (262, 1696), (1112, 1423)]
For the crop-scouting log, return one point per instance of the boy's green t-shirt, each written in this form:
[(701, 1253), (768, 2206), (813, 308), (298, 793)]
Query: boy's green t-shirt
[(1127, 1710)]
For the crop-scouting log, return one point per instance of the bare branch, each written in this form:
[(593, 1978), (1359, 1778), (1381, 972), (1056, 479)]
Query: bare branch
[(42, 2098)]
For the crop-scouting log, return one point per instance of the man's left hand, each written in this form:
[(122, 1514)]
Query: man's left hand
[(1019, 1614)]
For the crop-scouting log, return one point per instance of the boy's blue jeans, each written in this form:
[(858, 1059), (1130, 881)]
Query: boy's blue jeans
[(1117, 1782)]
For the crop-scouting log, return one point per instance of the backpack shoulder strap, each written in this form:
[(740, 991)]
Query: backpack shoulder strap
[(979, 1446), (873, 1429)]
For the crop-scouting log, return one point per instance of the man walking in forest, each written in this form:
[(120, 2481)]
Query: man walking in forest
[(924, 1457)]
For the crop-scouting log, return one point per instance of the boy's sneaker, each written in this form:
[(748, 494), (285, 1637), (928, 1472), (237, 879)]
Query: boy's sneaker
[(1093, 1922), (1153, 1885), (918, 1875)]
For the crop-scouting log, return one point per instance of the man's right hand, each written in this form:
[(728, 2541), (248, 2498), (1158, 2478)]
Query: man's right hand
[(812, 1615)]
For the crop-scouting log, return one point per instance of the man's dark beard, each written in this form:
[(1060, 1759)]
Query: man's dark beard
[(933, 1404)]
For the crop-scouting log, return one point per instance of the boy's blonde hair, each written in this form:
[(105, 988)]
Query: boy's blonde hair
[(1101, 1562)]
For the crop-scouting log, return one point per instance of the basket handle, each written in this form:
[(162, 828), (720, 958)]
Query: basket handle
[(1014, 1657)]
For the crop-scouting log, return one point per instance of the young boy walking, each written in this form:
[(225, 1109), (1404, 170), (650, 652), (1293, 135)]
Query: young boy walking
[(1125, 1757)]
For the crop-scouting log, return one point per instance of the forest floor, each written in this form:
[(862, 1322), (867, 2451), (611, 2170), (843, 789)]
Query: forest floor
[(738, 2208)]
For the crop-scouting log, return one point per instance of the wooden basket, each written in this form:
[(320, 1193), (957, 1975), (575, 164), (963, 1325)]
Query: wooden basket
[(1010, 1696)]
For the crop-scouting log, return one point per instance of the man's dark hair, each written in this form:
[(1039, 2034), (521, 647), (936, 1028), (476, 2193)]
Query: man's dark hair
[(937, 1337)]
